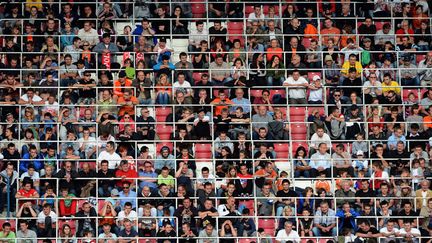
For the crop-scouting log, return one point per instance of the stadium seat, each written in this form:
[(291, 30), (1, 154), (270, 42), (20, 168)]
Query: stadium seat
[(164, 132), (237, 36), (312, 74), (197, 77), (282, 151), (235, 26), (198, 8), (70, 222), (268, 224), (162, 144), (256, 93), (295, 145), (248, 10), (298, 129), (12, 222), (283, 165), (203, 151), (280, 92), (247, 240), (297, 114), (406, 92), (162, 113)]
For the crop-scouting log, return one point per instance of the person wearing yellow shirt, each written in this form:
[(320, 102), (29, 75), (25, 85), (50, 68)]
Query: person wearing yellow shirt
[(388, 85), (352, 62)]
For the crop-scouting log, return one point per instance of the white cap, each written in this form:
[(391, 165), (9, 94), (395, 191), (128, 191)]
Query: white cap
[(316, 77), (359, 152)]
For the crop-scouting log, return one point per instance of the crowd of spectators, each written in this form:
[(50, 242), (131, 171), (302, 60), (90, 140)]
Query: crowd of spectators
[(314, 121)]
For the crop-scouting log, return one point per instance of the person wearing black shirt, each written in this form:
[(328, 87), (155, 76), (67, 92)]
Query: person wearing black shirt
[(367, 232), (86, 219), (167, 233), (161, 24), (105, 186), (399, 159), (207, 214), (285, 197), (351, 82), (416, 138), (186, 214), (365, 195), (407, 214), (217, 32)]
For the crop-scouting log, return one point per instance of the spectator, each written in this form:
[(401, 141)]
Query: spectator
[(325, 221)]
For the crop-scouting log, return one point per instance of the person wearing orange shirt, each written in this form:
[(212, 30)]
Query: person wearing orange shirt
[(274, 50), (267, 173), (121, 84), (127, 102), (221, 102), (427, 121), (329, 31)]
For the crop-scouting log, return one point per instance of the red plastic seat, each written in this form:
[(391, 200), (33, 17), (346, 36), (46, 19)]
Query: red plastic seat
[(268, 224), (198, 8), (282, 150), (419, 58), (197, 77), (235, 32), (70, 222), (266, 9), (296, 145), (162, 144), (203, 151), (247, 240), (297, 111), (312, 74), (321, 110), (12, 222), (164, 132), (162, 113), (256, 93), (248, 10), (299, 136), (406, 92), (235, 26), (298, 129), (274, 92)]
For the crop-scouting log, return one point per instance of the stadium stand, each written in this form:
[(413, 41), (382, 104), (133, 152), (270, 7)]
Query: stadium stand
[(215, 121)]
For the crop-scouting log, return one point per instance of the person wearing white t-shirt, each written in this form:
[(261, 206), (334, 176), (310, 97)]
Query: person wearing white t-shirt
[(409, 233), (256, 15), (185, 86), (390, 231), (316, 91), (30, 98), (287, 234), (127, 213), (297, 88), (110, 155), (320, 137)]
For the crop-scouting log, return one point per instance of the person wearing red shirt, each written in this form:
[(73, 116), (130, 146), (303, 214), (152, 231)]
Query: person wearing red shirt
[(27, 191), (405, 30), (67, 205), (126, 174)]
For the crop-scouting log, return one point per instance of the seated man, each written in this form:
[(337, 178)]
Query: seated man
[(321, 161), (367, 232), (325, 221)]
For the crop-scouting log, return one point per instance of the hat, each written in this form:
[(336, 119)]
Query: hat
[(354, 107), (367, 39), (359, 153), (316, 77), (114, 192), (406, 59), (328, 58), (162, 39)]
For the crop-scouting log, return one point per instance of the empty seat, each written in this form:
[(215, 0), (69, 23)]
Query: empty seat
[(162, 113), (247, 240), (299, 136), (164, 132), (298, 129), (282, 151), (203, 151), (297, 114), (198, 8), (268, 224), (235, 26)]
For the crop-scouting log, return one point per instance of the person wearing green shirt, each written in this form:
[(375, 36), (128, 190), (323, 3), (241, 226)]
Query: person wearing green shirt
[(7, 234), (165, 178)]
